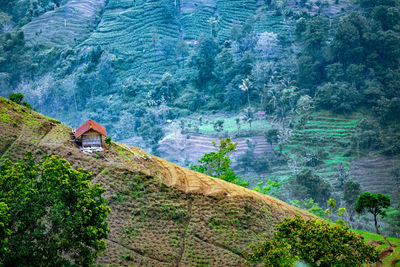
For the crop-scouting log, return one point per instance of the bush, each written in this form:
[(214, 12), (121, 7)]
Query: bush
[(314, 241), (310, 185), (108, 141), (51, 213)]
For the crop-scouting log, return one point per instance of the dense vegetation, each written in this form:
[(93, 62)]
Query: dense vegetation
[(323, 75), (315, 242), (50, 214)]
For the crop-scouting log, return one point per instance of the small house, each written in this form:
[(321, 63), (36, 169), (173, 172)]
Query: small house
[(90, 136)]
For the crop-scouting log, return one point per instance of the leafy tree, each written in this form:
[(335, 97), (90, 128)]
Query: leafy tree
[(245, 86), (374, 204), (204, 60), (272, 136), (219, 126), (351, 191), (55, 215), (340, 212), (16, 97), (5, 231), (248, 116), (312, 186), (314, 241), (310, 206), (339, 97), (217, 164), (108, 141), (267, 187)]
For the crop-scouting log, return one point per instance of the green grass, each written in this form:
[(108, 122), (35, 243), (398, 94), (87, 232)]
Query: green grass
[(395, 241)]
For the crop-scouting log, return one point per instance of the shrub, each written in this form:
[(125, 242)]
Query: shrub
[(314, 241), (56, 216), (108, 140)]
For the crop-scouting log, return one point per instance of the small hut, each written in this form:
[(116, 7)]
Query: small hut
[(90, 136)]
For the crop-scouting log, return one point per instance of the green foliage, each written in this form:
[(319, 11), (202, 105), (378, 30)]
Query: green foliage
[(270, 185), (108, 140), (338, 72), (374, 204), (272, 136), (219, 126), (5, 231), (310, 206), (310, 185), (340, 212), (351, 191), (393, 220), (55, 215), (217, 164), (316, 242), (17, 98)]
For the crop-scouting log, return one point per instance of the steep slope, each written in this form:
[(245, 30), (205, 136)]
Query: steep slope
[(65, 25), (162, 214)]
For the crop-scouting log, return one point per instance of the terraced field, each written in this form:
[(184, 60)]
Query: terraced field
[(233, 13), (329, 136), (66, 25), (186, 151), (334, 134), (375, 174), (140, 33)]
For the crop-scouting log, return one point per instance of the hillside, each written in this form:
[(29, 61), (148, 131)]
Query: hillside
[(306, 86), (162, 214)]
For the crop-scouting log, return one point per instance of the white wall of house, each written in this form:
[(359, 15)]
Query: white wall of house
[(91, 139)]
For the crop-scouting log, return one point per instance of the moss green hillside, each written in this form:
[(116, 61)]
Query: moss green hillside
[(162, 214)]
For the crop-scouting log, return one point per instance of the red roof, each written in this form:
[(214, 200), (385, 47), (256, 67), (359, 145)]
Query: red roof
[(90, 125)]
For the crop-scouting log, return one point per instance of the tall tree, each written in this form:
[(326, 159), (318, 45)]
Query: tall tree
[(374, 204), (55, 215)]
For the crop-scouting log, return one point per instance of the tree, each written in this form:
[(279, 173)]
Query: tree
[(245, 86), (108, 141), (17, 98), (204, 60), (237, 120), (272, 136), (217, 164), (219, 126), (314, 241), (5, 231), (56, 216), (248, 116), (312, 186), (351, 189), (374, 204)]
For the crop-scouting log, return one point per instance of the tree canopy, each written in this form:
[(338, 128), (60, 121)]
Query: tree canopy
[(217, 164), (50, 214), (314, 241), (374, 204)]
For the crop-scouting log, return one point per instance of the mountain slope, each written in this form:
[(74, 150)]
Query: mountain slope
[(65, 25), (162, 214)]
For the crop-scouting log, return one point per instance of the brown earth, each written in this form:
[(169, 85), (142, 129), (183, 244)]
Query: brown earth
[(162, 214)]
